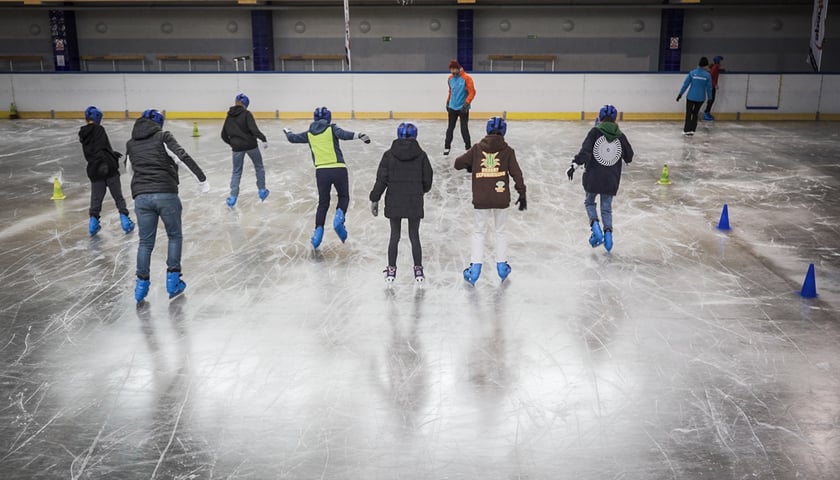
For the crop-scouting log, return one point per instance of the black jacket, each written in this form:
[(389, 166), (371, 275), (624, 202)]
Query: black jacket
[(102, 160), (154, 170), (602, 158), (240, 130), (405, 171)]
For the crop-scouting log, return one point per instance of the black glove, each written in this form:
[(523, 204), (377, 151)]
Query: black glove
[(465, 108), (374, 208), (522, 202), (364, 138), (469, 168), (679, 97), (571, 172), (118, 155)]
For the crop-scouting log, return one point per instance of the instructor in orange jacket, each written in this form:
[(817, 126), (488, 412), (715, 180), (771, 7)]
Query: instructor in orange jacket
[(458, 100)]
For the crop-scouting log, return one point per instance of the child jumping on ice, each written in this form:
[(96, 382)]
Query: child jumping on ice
[(491, 162), (330, 169), (600, 154), (103, 170), (406, 173)]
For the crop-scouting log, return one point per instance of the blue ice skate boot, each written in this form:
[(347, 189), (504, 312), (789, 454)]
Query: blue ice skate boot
[(174, 285), (93, 226), (504, 270), (608, 240), (231, 201), (141, 289), (127, 224), (597, 236), (338, 225), (263, 194), (708, 117), (472, 273), (317, 236)]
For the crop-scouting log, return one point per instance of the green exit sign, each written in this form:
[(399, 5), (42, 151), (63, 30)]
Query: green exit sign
[(387, 38)]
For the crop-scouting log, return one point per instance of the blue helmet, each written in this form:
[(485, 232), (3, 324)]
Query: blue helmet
[(497, 125), (717, 59), (94, 114), (155, 116), (407, 130), (607, 111), (243, 99), (322, 113)]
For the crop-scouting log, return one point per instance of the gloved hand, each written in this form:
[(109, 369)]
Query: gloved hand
[(363, 137), (374, 208), (203, 187), (522, 202), (265, 145), (571, 172), (287, 131), (679, 97), (465, 108), (118, 155), (469, 168)]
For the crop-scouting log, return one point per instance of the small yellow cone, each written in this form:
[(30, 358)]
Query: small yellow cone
[(57, 193), (13, 113), (195, 130), (664, 179)]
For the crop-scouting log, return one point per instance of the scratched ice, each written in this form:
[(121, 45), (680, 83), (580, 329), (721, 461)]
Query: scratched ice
[(685, 353)]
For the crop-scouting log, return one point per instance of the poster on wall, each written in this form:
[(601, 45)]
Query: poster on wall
[(817, 34)]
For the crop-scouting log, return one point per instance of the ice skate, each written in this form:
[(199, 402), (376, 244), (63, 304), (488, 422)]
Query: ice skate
[(263, 194), (708, 117), (93, 226), (141, 289), (338, 225), (126, 223), (390, 273), (446, 151), (472, 273), (317, 236), (231, 201), (503, 269), (174, 285), (608, 239), (597, 237), (419, 277)]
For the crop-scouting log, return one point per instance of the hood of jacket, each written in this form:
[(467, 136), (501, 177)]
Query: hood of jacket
[(89, 134), (493, 143), (144, 128), (236, 110), (405, 149), (610, 130), (318, 126)]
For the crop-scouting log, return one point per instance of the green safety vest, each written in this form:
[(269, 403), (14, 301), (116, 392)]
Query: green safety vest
[(323, 149)]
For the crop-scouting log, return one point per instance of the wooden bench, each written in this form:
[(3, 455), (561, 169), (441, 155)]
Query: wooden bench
[(113, 59), (522, 59), (22, 58), (310, 58), (189, 59)]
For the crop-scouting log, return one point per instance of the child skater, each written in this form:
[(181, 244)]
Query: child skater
[(103, 170), (491, 162), (240, 131), (406, 173), (330, 169), (603, 148)]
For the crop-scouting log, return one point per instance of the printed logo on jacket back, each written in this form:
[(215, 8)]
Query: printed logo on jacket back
[(607, 153), (489, 166)]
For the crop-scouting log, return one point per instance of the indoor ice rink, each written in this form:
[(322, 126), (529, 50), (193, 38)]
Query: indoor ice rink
[(686, 352)]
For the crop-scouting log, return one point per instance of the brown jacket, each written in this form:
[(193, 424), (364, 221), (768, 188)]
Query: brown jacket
[(492, 162)]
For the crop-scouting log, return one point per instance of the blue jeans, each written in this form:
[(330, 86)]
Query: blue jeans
[(238, 159), (606, 208), (149, 207)]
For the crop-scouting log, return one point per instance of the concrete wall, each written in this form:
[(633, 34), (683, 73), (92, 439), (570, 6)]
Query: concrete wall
[(419, 95), (424, 39)]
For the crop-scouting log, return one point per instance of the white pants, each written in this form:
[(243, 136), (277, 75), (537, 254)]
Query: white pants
[(481, 218)]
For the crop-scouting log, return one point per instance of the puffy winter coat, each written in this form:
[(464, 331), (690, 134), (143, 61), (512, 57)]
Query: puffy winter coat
[(240, 130), (492, 162), (154, 170), (601, 153), (405, 175), (102, 160)]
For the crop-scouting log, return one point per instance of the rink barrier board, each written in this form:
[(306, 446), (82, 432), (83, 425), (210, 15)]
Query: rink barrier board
[(523, 116)]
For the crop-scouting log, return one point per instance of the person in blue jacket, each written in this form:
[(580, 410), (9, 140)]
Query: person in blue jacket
[(330, 169), (699, 85)]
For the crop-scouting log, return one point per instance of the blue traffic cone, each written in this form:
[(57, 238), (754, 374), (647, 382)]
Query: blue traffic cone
[(809, 287), (723, 224)]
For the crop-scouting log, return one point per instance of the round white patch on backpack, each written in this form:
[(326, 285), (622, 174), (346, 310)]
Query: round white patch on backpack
[(607, 153)]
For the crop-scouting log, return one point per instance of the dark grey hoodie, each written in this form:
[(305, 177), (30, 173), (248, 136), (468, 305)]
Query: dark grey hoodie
[(240, 130), (154, 170)]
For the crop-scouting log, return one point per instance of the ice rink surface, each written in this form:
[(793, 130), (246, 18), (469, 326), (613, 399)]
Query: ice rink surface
[(686, 353)]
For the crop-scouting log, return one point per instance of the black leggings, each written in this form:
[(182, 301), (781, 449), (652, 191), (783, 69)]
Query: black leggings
[(413, 235), (97, 195)]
